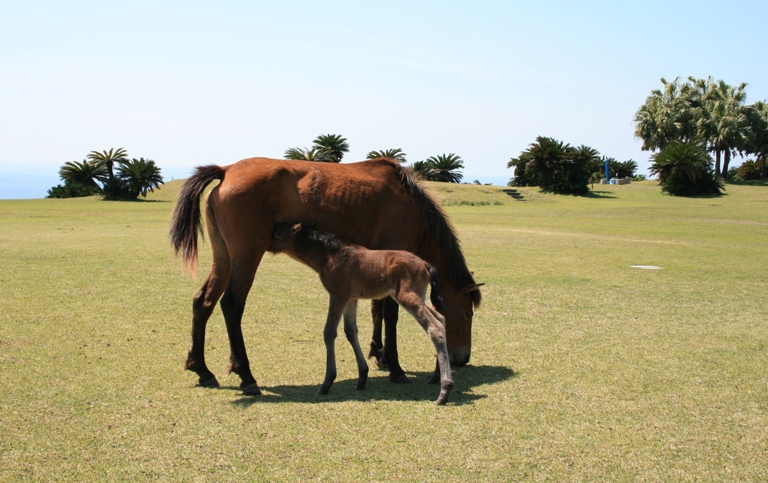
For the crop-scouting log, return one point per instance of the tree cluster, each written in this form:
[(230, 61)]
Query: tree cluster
[(332, 147), (329, 148), (561, 168), (706, 112), (443, 167), (109, 173)]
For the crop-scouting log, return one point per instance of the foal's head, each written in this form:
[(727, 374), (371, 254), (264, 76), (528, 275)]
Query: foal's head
[(297, 238)]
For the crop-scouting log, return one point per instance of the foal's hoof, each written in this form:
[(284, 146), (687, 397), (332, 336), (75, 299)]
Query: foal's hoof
[(443, 397), (210, 382), (401, 379), (252, 389)]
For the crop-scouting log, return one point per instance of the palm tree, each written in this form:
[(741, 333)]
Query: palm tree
[(420, 169), (86, 173), (108, 159), (335, 143), (396, 154), (314, 153), (139, 176), (523, 176), (626, 169), (444, 168), (727, 120), (556, 166), (685, 169), (546, 157), (667, 115), (756, 135)]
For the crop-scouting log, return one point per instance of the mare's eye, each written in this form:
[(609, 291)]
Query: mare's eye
[(468, 315)]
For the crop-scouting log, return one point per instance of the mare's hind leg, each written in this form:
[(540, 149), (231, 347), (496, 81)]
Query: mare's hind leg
[(433, 323), (396, 373), (350, 330), (233, 306), (202, 306), (377, 345)]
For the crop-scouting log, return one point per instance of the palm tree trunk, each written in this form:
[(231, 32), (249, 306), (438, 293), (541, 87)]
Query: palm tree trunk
[(726, 162), (717, 162)]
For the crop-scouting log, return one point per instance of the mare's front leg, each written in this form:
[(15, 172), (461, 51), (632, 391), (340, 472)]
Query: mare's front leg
[(396, 373), (377, 345), (350, 330), (335, 310)]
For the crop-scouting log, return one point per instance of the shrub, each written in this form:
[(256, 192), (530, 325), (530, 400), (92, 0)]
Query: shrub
[(72, 189), (685, 169)]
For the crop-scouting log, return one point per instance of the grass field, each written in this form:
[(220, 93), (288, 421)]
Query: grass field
[(583, 368)]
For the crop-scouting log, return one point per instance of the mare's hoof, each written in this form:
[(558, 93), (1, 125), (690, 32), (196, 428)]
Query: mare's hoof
[(434, 378), (360, 384), (381, 363), (212, 382), (323, 390), (401, 379), (252, 388)]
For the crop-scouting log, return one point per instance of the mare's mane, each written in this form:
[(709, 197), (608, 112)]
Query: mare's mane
[(441, 240)]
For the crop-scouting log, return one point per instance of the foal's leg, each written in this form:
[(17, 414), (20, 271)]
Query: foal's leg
[(435, 328), (350, 330), (396, 373), (335, 309), (377, 345)]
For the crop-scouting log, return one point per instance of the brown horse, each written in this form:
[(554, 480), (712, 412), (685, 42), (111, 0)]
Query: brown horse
[(351, 272), (374, 204)]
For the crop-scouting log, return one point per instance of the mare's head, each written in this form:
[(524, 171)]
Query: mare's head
[(460, 305)]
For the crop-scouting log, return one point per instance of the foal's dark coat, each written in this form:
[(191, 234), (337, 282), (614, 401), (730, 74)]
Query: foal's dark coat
[(351, 272)]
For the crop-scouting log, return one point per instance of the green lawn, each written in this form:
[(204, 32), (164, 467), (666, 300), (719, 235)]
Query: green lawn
[(582, 369)]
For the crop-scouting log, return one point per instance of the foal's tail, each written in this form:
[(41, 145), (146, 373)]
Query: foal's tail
[(435, 297), (185, 223)]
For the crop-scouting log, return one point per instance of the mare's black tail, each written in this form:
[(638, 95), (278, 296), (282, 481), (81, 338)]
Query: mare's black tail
[(434, 281)]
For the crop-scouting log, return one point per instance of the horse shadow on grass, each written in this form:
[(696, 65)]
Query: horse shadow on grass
[(379, 388)]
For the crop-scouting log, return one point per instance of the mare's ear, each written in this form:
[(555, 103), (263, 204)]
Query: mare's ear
[(473, 287)]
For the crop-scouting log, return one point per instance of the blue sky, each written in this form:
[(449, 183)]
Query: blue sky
[(189, 83)]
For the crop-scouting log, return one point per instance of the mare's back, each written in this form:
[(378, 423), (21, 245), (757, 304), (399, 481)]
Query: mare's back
[(363, 203)]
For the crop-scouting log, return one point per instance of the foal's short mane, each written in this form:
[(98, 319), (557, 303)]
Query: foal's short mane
[(441, 239), (329, 241)]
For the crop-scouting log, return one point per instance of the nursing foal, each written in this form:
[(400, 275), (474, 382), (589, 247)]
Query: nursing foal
[(351, 272)]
